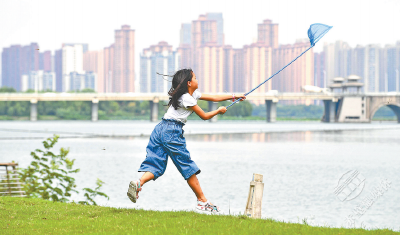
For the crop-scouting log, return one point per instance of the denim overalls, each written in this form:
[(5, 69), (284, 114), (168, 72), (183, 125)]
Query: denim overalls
[(167, 140)]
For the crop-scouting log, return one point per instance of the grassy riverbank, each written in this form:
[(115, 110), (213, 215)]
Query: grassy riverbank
[(36, 216)]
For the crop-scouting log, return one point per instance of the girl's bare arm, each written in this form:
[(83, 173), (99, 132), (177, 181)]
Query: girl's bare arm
[(205, 116), (218, 98)]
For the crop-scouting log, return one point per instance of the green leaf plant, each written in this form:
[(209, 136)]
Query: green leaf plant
[(49, 176)]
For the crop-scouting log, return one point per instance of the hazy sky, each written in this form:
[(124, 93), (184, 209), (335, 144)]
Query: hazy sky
[(53, 22)]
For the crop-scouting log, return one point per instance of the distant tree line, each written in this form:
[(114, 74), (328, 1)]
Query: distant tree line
[(140, 110)]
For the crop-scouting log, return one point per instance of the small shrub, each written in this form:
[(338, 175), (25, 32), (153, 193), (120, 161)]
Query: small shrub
[(49, 176)]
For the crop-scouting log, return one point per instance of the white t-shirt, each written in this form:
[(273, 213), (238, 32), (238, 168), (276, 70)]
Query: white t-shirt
[(185, 102)]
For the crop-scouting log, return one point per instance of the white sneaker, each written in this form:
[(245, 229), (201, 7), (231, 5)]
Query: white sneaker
[(133, 190), (207, 208)]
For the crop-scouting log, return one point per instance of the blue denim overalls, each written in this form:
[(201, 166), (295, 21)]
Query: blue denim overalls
[(167, 140)]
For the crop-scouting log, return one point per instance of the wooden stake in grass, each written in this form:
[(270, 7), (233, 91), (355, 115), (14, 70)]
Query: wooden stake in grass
[(254, 200)]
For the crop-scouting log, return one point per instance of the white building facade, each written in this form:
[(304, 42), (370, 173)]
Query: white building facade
[(79, 81), (39, 81), (72, 62), (163, 62)]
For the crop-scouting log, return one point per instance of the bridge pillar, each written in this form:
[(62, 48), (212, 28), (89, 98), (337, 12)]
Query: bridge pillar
[(95, 110), (271, 109), (213, 106), (154, 109), (34, 110), (329, 111)]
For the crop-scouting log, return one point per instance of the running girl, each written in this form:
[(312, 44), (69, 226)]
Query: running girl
[(167, 138)]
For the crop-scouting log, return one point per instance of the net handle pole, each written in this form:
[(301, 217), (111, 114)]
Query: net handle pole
[(270, 77)]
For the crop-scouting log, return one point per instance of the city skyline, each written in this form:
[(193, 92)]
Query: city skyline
[(367, 23), (216, 63)]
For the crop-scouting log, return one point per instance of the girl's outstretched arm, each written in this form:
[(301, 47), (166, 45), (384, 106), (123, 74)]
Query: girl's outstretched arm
[(205, 116), (218, 98)]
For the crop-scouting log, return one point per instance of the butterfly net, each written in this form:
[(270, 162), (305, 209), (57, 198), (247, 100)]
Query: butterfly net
[(316, 32)]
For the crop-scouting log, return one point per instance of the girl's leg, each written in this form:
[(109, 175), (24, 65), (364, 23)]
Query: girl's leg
[(195, 185), (146, 177)]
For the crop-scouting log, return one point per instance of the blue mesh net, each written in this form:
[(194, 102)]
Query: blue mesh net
[(317, 31)]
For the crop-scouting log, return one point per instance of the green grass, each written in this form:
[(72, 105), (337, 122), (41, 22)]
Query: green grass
[(37, 216)]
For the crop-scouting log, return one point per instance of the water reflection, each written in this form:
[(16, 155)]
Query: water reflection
[(305, 136), (339, 136)]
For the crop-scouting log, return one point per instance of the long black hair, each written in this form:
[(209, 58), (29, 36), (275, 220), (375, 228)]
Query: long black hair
[(179, 86)]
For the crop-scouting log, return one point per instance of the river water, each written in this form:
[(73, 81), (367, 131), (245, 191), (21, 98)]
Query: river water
[(302, 163)]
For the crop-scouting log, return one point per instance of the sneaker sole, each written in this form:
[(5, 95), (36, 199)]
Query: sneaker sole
[(200, 211), (132, 190)]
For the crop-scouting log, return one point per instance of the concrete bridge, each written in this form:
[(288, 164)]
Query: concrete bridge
[(338, 107)]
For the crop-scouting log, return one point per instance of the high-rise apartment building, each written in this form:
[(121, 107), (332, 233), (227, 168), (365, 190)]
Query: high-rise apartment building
[(11, 73), (124, 60), (45, 60), (80, 81), (204, 31), (16, 61), (217, 17), (238, 71), (337, 61), (376, 66), (185, 56), (38, 81), (371, 68), (157, 59), (210, 68), (108, 68), (391, 67), (93, 62), (257, 62), (207, 52), (72, 62), (298, 74), (186, 34), (66, 60), (319, 70), (268, 34), (228, 68), (58, 70)]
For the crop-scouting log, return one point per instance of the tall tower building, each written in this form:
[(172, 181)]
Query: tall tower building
[(220, 26), (371, 68), (108, 68), (210, 67), (29, 58), (124, 60), (257, 62), (157, 58), (10, 72), (268, 34), (204, 31), (186, 34), (72, 61), (17, 61), (319, 70), (329, 51), (185, 56), (93, 62), (185, 50), (45, 61), (238, 71), (342, 59), (298, 74), (207, 55), (228, 68), (58, 70), (392, 67)]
